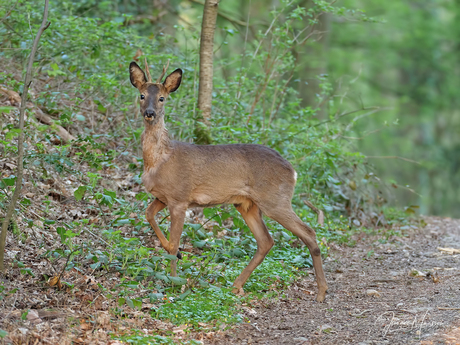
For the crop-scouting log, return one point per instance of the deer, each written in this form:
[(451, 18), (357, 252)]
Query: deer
[(254, 178)]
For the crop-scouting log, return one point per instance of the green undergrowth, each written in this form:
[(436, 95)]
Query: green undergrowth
[(139, 338), (82, 82)]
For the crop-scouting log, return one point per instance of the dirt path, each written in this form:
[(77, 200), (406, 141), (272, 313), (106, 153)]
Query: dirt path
[(402, 309)]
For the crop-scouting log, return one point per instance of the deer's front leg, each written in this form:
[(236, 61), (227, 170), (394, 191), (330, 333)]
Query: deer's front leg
[(177, 213), (155, 207)]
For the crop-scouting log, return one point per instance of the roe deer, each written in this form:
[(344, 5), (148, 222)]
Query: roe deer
[(254, 178)]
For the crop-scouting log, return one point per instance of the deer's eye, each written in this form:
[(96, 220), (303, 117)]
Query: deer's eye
[(142, 96), (161, 99)]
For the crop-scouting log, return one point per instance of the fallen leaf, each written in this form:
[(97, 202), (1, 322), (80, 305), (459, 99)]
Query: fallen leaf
[(55, 281), (450, 251), (84, 326), (32, 316), (307, 292), (373, 293), (249, 311), (180, 329)]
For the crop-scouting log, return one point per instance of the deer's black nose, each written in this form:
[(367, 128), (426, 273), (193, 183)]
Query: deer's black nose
[(150, 113)]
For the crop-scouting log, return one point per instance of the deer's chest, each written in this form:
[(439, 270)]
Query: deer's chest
[(157, 182)]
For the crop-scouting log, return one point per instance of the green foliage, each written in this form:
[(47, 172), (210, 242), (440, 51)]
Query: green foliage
[(139, 338), (84, 60), (408, 65), (206, 305)]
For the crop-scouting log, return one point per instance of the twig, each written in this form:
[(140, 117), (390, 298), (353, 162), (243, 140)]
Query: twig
[(317, 211), (65, 265), (442, 308), (374, 109), (9, 11), (360, 314), (98, 237), (17, 190), (395, 157), (283, 93), (257, 328), (405, 311)]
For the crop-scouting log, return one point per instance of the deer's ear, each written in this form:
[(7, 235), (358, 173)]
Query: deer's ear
[(172, 81), (136, 75)]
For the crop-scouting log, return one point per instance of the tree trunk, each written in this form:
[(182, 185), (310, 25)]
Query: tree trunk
[(208, 28), (17, 191)]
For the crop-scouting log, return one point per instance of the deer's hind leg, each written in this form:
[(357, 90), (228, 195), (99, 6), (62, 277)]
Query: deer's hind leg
[(284, 215), (253, 218)]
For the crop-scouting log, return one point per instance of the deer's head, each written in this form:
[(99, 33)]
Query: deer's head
[(153, 95)]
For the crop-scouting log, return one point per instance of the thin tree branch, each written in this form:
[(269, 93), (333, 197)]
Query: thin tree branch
[(317, 211), (395, 157), (374, 109), (27, 82), (9, 11)]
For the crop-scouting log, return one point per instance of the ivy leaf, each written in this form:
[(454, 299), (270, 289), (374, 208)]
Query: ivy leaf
[(185, 294), (80, 192), (178, 280), (170, 257), (129, 302), (9, 181), (199, 244)]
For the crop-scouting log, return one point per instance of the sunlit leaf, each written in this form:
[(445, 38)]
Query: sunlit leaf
[(80, 192)]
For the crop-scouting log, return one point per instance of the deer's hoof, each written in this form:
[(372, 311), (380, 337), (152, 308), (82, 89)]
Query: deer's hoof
[(238, 291), (321, 296)]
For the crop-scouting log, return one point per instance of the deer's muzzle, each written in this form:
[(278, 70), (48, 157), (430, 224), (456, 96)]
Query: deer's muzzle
[(150, 113)]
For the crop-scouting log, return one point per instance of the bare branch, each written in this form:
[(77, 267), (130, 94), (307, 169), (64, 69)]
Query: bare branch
[(27, 82), (395, 157), (317, 211)]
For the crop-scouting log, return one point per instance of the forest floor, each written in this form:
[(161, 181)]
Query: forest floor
[(383, 289), (404, 291)]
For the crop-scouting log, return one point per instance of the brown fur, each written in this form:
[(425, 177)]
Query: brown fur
[(255, 178)]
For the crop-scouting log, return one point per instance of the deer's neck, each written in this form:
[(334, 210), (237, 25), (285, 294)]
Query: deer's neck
[(156, 145)]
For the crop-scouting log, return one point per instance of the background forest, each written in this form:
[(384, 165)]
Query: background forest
[(402, 61), (360, 96), (396, 59)]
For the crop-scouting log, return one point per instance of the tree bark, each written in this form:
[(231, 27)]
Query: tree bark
[(208, 28), (17, 191)]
